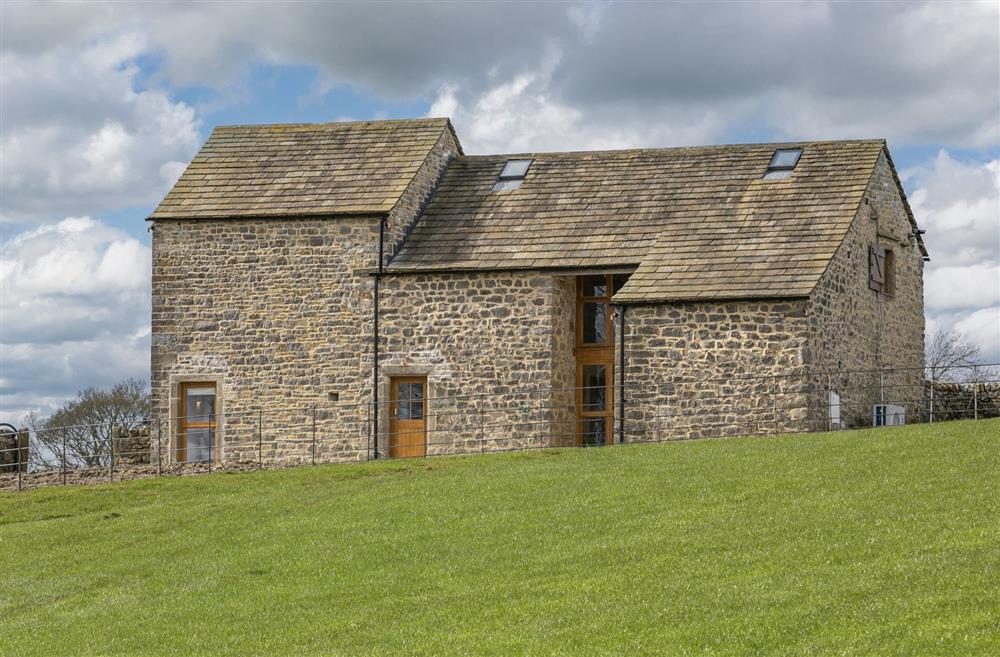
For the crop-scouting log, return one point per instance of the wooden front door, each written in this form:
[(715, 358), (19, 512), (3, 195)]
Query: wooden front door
[(408, 416)]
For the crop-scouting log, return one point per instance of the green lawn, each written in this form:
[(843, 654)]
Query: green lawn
[(879, 542)]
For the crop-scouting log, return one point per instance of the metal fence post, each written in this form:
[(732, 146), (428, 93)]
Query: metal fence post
[(314, 435), (18, 443), (975, 392), (774, 403), (112, 454), (64, 456), (931, 419), (482, 422), (159, 447), (260, 440)]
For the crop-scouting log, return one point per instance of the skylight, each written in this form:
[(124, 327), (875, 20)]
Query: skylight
[(782, 163), (512, 175)]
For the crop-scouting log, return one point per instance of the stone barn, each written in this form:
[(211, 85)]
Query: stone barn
[(358, 290)]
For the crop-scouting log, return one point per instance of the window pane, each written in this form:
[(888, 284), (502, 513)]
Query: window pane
[(416, 401), (594, 390), (785, 157), (504, 185), (403, 401), (619, 281), (595, 286), (515, 169), (594, 431), (595, 326), (199, 444), (199, 404)]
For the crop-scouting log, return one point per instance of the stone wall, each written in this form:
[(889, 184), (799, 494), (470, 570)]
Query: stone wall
[(491, 345), (696, 370), (278, 313), (855, 330)]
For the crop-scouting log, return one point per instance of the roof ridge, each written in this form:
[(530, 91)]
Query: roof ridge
[(706, 147), (331, 124)]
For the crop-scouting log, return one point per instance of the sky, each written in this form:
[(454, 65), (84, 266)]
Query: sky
[(103, 104)]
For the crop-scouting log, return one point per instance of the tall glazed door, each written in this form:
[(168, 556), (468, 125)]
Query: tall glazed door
[(595, 358), (408, 416)]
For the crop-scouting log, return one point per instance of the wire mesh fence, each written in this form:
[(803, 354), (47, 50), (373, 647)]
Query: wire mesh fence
[(673, 409)]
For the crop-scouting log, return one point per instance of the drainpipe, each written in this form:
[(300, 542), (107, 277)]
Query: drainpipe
[(621, 377), (375, 337)]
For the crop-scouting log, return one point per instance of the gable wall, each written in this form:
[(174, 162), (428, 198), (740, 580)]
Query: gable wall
[(855, 330)]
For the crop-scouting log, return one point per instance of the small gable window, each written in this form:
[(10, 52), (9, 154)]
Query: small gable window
[(782, 163), (882, 269), (512, 175)]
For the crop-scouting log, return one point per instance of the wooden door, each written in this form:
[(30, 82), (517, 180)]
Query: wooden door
[(408, 416), (196, 423)]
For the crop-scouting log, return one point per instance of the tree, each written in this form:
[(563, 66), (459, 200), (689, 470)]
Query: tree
[(950, 357), (85, 425)]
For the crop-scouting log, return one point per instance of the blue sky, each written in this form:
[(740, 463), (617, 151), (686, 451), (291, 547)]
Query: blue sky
[(102, 104)]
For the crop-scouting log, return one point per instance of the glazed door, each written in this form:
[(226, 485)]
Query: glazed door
[(196, 423), (408, 416), (595, 358)]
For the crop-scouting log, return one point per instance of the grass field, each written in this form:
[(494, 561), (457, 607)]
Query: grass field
[(879, 542)]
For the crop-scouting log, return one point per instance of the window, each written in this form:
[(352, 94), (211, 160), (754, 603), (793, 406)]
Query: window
[(890, 272), (882, 269), (782, 163), (196, 423), (512, 175)]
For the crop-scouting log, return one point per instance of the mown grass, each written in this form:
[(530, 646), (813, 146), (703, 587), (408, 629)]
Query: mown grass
[(879, 542)]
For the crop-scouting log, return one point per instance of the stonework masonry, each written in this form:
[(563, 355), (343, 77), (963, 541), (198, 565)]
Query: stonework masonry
[(854, 330), (278, 313), (714, 369), (492, 346), (750, 367)]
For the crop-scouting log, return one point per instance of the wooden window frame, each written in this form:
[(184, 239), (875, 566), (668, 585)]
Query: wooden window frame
[(581, 300), (889, 273), (183, 424), (596, 354)]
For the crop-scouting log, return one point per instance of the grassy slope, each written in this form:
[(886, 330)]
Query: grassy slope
[(881, 542)]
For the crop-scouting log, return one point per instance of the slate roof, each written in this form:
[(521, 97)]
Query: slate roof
[(699, 223), (302, 169)]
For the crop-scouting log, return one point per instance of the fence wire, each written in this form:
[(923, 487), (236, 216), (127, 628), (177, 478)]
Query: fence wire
[(531, 419)]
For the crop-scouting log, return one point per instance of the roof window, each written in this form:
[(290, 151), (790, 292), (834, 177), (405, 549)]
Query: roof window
[(512, 175), (782, 163)]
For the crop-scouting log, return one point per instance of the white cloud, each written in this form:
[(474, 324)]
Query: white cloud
[(958, 203), (669, 73), (523, 114), (79, 136), (74, 312)]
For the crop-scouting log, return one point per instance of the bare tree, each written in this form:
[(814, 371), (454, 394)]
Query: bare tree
[(84, 427), (950, 357)]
